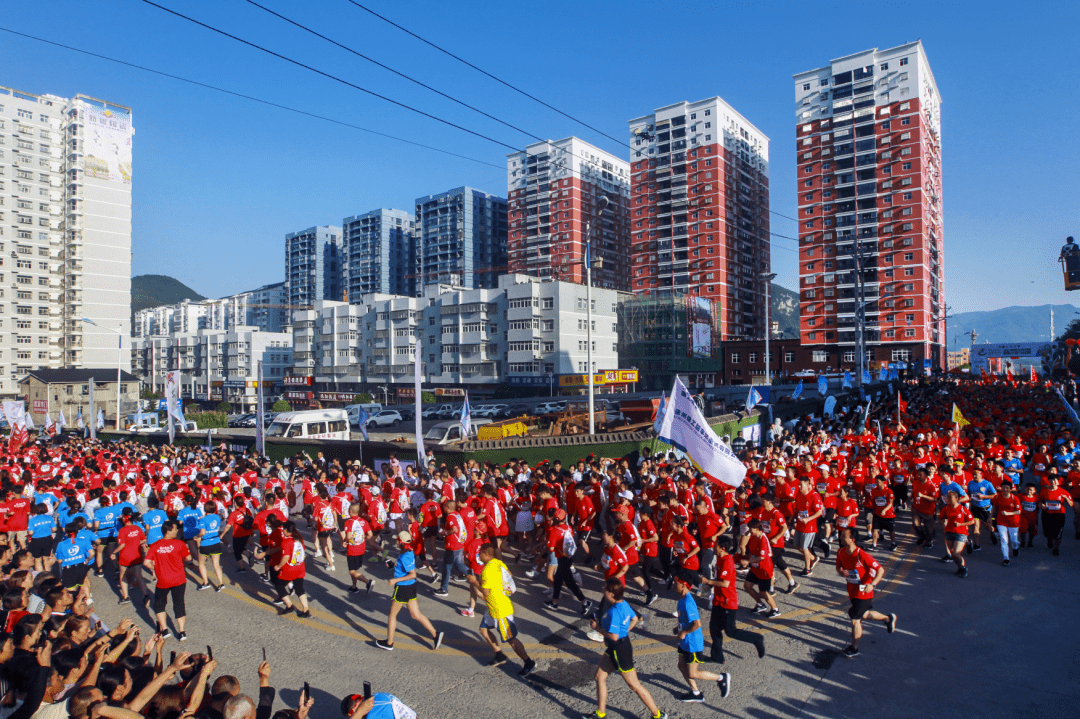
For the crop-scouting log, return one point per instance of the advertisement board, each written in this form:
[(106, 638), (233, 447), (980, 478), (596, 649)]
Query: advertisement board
[(700, 312), (107, 142), (295, 381), (41, 406), (980, 354)]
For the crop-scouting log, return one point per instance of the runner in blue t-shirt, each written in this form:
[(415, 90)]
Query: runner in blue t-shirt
[(189, 518), (154, 519), (616, 622), (74, 555), (692, 642), (982, 496), (39, 528), (105, 520), (210, 545), (404, 586)]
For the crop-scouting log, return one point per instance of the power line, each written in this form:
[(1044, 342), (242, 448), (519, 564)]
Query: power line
[(247, 97), (396, 72), (329, 76), (485, 72)]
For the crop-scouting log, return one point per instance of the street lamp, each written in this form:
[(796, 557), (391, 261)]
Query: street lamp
[(768, 277), (601, 205), (119, 362)]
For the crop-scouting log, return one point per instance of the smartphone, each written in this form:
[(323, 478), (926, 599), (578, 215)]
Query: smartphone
[(209, 653), (172, 657), (264, 653), (307, 691), (367, 690)]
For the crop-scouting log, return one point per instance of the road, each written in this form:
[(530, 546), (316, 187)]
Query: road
[(999, 643)]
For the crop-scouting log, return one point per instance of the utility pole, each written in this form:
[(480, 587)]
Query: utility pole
[(860, 311), (768, 277)]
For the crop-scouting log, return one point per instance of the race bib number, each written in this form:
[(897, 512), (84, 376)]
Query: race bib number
[(853, 576), (1053, 506), (1040, 467), (1029, 506), (803, 514), (822, 487), (880, 501), (842, 522)]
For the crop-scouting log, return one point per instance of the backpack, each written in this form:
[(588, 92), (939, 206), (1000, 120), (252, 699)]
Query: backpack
[(247, 523), (509, 587)]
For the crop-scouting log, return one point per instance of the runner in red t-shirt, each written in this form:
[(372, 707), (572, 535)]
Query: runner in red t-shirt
[(355, 536), (1052, 501), (758, 582), (884, 512), (291, 571), (957, 519), (1007, 518), (166, 560), (862, 573), (129, 555), (725, 604), (242, 524)]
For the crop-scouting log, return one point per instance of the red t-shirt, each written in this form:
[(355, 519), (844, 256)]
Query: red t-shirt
[(132, 538), (928, 488), (770, 523), (472, 554), (168, 556), (805, 505), (684, 544), (19, 509), (708, 525), (356, 531), (236, 521), (726, 597), (1054, 500), (953, 516), (859, 569), (882, 499), (613, 561), (293, 551), (647, 529), (847, 514), (456, 531), (759, 547), (627, 534), (430, 512), (1010, 504)]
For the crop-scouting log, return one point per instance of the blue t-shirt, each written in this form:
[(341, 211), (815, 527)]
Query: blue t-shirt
[(71, 552), (211, 524), (154, 520), (121, 506), (981, 487), (86, 537), (39, 525), (617, 618), (106, 519), (46, 498), (384, 706), (951, 487), (688, 614), (1013, 468), (406, 563), (189, 517)]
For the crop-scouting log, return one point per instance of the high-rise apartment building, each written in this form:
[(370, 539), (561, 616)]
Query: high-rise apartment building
[(65, 224), (868, 143), (553, 188), (699, 210), (379, 253), (265, 308), (461, 239), (313, 265)]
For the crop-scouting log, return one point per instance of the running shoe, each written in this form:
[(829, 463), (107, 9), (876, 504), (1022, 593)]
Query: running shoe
[(724, 682)]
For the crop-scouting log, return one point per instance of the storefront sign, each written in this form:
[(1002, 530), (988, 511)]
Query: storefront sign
[(294, 381)]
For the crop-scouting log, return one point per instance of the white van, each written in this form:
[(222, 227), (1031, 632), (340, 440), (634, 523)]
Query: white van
[(372, 409), (311, 424)]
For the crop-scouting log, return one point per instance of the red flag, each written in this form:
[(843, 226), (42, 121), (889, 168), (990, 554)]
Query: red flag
[(1034, 376), (19, 437), (954, 440), (901, 405)]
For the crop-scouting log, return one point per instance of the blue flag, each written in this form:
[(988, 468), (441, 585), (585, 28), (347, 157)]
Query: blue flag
[(830, 405), (847, 380), (660, 413), (893, 374), (362, 420), (862, 394), (798, 391), (466, 417), (753, 398), (866, 378), (883, 374), (823, 385)]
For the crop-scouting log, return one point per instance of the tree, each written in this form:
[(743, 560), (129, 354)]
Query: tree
[(362, 398), (224, 406), (282, 406), (427, 398), (148, 393)]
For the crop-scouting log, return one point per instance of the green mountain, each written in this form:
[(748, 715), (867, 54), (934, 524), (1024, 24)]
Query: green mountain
[(785, 311), (155, 290), (1008, 324)]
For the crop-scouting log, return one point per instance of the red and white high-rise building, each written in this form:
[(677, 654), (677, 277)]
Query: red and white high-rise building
[(552, 191), (699, 210), (868, 144)]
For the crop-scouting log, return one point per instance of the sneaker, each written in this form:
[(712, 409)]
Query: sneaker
[(370, 585), (284, 610), (773, 614), (890, 624), (928, 545), (791, 588), (551, 605), (241, 570), (946, 559), (594, 636), (1004, 562), (383, 645), (724, 682), (650, 598), (1016, 552), (354, 590), (218, 588), (530, 573), (761, 609), (304, 615), (528, 668), (692, 698), (892, 547), (202, 587), (873, 547), (963, 573), (920, 541), (969, 548), (165, 633), (124, 600), (806, 573), (466, 612), (279, 602), (441, 593), (332, 568), (760, 645), (100, 573), (850, 652), (458, 580), (828, 551), (318, 552), (977, 548), (438, 639), (264, 579), (182, 636), (498, 659), (1056, 552), (586, 608)]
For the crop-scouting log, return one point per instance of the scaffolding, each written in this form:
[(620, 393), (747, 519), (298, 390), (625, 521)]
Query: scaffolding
[(657, 339)]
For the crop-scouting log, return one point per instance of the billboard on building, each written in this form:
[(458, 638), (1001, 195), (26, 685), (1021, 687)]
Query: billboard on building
[(701, 326), (107, 142)]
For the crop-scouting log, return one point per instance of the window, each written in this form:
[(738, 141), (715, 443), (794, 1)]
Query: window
[(806, 86), (736, 357), (903, 61), (753, 357), (884, 66), (820, 355), (906, 166), (548, 303), (905, 121), (549, 325), (789, 356)]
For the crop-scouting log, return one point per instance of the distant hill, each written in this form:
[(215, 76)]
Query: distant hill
[(156, 290), (785, 311), (1009, 324)]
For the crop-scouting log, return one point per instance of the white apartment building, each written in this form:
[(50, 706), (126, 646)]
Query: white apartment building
[(264, 308), (232, 372), (524, 332), (65, 232)]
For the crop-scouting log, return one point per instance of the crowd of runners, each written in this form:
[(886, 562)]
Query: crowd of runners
[(84, 519)]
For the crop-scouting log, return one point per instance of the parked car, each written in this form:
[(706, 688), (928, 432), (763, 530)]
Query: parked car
[(490, 411), (386, 418), (238, 420), (430, 412), (513, 410), (450, 432), (408, 414), (549, 407), (449, 411)]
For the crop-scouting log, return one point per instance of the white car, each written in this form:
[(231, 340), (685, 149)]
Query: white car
[(488, 410), (550, 407), (386, 418)]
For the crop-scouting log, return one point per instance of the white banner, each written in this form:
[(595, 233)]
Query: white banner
[(685, 428), (15, 412)]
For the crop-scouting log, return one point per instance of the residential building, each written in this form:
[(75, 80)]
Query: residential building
[(743, 362), (65, 221), (699, 212), (461, 239), (67, 391), (226, 361), (265, 308), (379, 254), (868, 145), (313, 265), (522, 333), (959, 358), (552, 193)]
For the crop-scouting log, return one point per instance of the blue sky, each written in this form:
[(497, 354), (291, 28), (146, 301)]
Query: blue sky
[(219, 181)]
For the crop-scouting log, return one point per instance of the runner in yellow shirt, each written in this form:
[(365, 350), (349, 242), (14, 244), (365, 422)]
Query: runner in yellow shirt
[(496, 585)]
